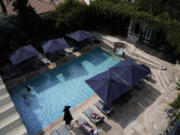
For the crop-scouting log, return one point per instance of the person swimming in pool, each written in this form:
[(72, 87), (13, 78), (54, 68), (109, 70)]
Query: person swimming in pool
[(30, 91), (28, 88)]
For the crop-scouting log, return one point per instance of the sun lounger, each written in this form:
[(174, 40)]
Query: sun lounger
[(81, 123), (69, 50), (60, 131), (88, 112), (103, 108), (43, 59)]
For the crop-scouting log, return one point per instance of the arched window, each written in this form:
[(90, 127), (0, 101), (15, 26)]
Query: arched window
[(147, 34)]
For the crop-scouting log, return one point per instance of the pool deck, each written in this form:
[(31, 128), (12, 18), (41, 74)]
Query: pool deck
[(143, 114)]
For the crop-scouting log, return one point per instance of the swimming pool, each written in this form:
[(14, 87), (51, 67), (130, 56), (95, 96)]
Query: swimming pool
[(63, 85)]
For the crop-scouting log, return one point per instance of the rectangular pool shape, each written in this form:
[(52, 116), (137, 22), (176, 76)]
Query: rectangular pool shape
[(63, 85)]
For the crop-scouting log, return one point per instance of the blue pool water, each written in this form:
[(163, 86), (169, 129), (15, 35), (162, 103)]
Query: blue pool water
[(63, 85)]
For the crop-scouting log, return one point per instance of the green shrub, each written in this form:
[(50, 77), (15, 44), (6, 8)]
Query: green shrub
[(176, 103), (70, 15), (178, 85)]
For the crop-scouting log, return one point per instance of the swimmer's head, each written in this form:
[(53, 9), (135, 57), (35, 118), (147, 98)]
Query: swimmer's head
[(28, 88)]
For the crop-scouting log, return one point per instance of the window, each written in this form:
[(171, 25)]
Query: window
[(147, 34)]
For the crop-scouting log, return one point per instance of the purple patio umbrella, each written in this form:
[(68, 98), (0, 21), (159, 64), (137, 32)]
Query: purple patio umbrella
[(23, 54), (79, 35), (130, 71), (108, 86), (55, 45)]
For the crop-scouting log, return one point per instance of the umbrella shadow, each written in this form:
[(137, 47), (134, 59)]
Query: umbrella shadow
[(125, 113), (151, 80), (73, 70), (97, 57), (105, 127)]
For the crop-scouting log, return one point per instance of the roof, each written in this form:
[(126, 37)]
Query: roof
[(40, 6)]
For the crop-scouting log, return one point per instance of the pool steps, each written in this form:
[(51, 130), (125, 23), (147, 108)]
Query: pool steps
[(134, 53), (10, 121)]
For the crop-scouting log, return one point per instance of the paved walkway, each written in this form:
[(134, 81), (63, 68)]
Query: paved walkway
[(144, 113)]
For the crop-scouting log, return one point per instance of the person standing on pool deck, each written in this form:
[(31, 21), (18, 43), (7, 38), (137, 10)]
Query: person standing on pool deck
[(67, 115)]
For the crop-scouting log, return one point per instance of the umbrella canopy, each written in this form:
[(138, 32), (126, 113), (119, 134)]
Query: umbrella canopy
[(130, 71), (79, 35), (108, 86), (67, 115), (55, 45), (147, 68), (23, 54)]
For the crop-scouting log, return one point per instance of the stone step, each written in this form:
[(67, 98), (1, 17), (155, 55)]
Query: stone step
[(9, 123), (4, 99), (19, 130), (165, 76), (137, 54), (1, 82), (7, 106), (7, 112), (141, 60), (108, 44), (161, 81), (3, 91), (162, 77), (108, 41)]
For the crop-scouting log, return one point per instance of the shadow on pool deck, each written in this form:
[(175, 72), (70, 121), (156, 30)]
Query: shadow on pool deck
[(126, 113), (106, 127)]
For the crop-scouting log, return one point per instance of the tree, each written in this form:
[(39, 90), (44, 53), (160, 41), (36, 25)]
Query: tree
[(3, 6), (28, 20), (70, 15), (157, 7)]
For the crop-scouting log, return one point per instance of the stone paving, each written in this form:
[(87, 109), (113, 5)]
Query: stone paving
[(143, 114)]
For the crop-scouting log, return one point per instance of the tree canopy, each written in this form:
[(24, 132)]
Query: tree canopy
[(70, 15), (108, 15)]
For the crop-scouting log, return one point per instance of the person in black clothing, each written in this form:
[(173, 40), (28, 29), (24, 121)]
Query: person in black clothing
[(67, 115)]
